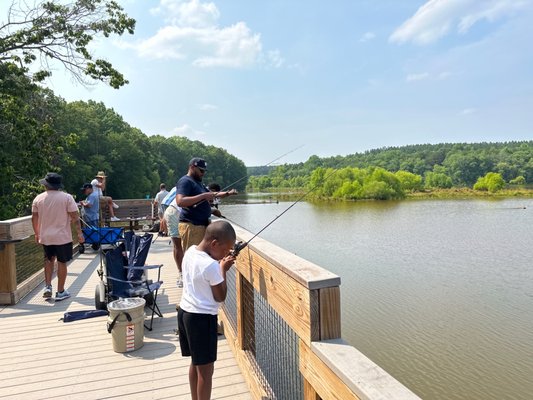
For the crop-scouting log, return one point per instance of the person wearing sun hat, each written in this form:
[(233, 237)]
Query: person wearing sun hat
[(52, 213), (98, 183)]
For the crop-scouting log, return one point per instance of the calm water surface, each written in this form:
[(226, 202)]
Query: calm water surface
[(438, 293)]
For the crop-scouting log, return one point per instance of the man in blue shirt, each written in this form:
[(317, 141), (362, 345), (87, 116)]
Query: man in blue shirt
[(91, 205), (194, 200)]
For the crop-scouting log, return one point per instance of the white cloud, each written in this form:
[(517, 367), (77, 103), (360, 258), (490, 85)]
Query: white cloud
[(192, 34), (274, 59), (436, 18), (468, 111), (367, 36), (207, 107), (234, 46), (417, 77), (188, 131), (422, 76), (187, 13), (198, 14)]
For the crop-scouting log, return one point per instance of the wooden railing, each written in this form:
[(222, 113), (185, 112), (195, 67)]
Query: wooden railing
[(307, 298), (13, 233), (20, 273)]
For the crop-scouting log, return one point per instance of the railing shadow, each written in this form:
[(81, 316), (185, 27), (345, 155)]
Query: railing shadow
[(33, 303)]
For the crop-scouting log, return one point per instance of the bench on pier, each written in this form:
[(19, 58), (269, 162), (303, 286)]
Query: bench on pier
[(133, 214)]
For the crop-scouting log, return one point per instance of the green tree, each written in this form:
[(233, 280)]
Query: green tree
[(382, 185), (491, 182), (53, 30), (409, 182), (436, 180), (519, 180), (31, 145)]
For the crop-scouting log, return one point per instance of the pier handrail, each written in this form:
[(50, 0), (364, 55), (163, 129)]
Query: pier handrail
[(307, 298), (21, 260)]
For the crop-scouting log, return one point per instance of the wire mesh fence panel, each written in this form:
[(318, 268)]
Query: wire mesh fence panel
[(230, 304), (275, 346), (29, 257)]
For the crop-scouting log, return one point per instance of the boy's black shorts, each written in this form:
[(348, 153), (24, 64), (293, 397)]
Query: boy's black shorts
[(63, 252), (198, 336)]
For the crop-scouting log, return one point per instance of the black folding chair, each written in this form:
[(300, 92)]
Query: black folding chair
[(127, 276)]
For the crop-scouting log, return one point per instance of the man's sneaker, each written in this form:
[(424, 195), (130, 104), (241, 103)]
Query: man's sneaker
[(115, 205), (113, 218), (47, 291), (62, 295), (179, 282)]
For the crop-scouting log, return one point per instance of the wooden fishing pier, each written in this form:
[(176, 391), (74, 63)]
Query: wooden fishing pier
[(282, 332)]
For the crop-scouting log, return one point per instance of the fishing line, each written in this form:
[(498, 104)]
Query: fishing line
[(241, 245), (245, 176), (266, 165)]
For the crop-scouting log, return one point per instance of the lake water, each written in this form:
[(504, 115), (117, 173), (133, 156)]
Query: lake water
[(439, 293)]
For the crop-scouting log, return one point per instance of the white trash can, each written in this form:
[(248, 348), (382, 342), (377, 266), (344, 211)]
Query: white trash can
[(126, 324)]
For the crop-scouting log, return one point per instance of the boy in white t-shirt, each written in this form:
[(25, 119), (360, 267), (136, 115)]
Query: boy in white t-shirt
[(204, 287)]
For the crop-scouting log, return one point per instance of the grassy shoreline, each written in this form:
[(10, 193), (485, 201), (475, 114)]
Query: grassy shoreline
[(455, 193), (291, 194)]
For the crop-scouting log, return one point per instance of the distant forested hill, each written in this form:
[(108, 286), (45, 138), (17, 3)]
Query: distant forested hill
[(461, 164)]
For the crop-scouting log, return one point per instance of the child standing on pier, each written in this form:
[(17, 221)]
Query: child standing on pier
[(204, 287)]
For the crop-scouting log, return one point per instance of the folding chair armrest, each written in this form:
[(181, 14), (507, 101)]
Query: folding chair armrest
[(153, 286), (143, 267), (123, 281)]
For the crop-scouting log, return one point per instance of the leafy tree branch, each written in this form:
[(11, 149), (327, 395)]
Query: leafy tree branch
[(51, 30)]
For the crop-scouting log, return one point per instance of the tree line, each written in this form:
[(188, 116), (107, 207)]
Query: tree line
[(41, 132), (392, 172)]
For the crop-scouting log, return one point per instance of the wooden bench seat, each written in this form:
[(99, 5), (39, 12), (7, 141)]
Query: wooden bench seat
[(132, 213)]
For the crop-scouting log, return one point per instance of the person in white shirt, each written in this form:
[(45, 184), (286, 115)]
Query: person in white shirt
[(98, 187), (204, 287), (158, 201)]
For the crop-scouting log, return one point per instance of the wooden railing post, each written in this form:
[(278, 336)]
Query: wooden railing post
[(8, 273), (245, 314)]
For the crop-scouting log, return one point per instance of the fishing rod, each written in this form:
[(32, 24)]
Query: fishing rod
[(245, 176), (241, 245), (266, 165)]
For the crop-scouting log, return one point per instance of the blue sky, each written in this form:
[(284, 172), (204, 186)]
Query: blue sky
[(259, 78)]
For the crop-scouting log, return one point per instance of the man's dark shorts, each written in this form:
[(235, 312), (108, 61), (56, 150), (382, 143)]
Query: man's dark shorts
[(198, 336), (63, 252)]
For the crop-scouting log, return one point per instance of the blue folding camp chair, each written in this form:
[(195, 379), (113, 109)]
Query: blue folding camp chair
[(126, 275)]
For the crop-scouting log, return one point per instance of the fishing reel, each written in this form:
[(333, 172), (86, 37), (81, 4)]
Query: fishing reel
[(237, 247)]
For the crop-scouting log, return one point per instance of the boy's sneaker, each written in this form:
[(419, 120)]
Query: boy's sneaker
[(62, 295), (115, 205), (47, 291), (179, 282), (115, 219)]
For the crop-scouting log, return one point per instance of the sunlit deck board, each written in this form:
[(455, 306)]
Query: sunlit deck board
[(43, 358)]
